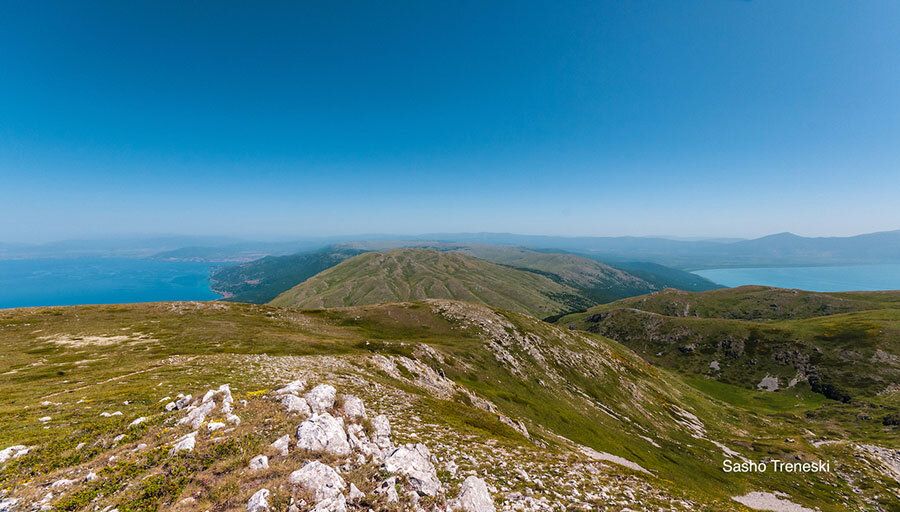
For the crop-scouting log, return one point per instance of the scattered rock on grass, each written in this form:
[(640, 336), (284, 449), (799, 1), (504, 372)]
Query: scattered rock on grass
[(473, 497), (259, 501), (321, 398), (259, 463), (320, 479), (414, 461), (322, 432)]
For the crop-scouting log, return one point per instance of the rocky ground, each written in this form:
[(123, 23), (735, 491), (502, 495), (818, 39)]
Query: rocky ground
[(439, 406), (320, 447)]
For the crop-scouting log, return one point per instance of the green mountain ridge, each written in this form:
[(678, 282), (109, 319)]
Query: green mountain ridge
[(415, 274), (262, 280)]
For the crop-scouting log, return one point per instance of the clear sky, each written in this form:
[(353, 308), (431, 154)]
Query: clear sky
[(718, 117)]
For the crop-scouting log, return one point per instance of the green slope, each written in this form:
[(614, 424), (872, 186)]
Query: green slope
[(264, 279), (845, 346), (415, 274), (490, 391), (756, 303)]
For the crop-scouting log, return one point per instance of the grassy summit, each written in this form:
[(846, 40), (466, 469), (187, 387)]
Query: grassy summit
[(415, 274), (567, 419)]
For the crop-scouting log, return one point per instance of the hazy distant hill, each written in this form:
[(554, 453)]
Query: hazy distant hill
[(784, 249), (415, 274)]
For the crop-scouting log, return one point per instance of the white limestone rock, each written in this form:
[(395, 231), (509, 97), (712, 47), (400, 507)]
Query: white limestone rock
[(294, 403), (414, 461), (259, 502), (321, 480), (259, 463), (138, 421), (360, 442), (9, 504), (322, 432), (388, 489), (183, 402), (215, 425), (355, 494), (473, 497), (292, 388), (336, 504), (13, 452), (185, 443), (354, 407), (224, 396), (381, 434), (59, 484), (282, 444), (196, 416), (321, 398)]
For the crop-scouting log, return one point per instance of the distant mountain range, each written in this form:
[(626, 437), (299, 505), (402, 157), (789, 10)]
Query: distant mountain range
[(783, 249)]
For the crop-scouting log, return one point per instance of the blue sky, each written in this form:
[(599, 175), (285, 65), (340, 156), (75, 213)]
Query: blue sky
[(706, 118)]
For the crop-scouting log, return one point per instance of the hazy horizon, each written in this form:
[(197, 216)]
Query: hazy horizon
[(275, 238)]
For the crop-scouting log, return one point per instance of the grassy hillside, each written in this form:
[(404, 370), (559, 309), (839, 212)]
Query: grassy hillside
[(262, 280), (756, 303), (568, 419), (595, 280), (845, 346), (415, 274)]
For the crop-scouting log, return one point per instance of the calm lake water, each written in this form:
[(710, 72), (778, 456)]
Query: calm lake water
[(819, 279), (64, 282)]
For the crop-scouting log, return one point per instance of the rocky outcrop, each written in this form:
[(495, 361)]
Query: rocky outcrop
[(353, 407), (322, 432), (414, 461), (473, 497), (321, 398), (259, 501), (185, 443), (381, 434), (336, 504), (292, 388), (196, 416), (319, 479), (294, 403)]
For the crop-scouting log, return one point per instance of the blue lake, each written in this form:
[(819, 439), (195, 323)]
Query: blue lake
[(64, 282), (819, 279)]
